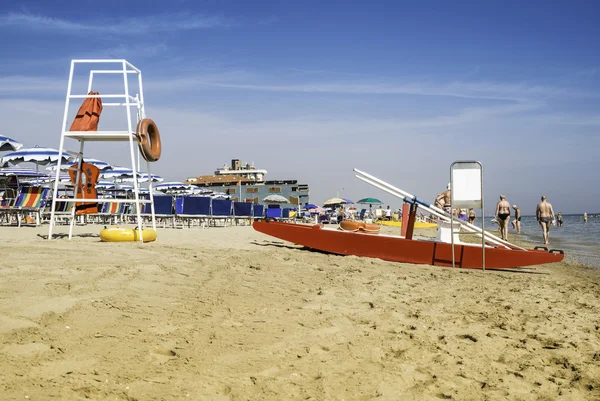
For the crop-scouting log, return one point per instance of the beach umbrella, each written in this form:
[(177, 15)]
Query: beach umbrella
[(118, 172), (334, 201), (173, 187), (62, 177), (102, 165), (21, 172), (37, 155), (106, 185), (348, 201), (143, 177), (8, 144), (196, 190), (154, 177), (275, 199), (220, 195), (311, 206), (369, 200)]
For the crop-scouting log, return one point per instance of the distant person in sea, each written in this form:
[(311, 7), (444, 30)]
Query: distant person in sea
[(585, 217), (559, 219), (472, 216), (545, 214), (516, 223), (443, 200), (503, 216)]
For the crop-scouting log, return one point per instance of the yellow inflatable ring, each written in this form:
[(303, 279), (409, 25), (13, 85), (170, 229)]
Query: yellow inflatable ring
[(122, 234)]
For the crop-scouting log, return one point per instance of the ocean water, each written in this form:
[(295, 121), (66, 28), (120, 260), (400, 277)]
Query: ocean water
[(580, 241)]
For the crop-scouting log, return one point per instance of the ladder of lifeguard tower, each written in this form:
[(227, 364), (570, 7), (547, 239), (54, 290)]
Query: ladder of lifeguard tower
[(126, 135)]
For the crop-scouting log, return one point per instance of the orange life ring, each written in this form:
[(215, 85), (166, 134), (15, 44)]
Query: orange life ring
[(147, 130), (359, 226)]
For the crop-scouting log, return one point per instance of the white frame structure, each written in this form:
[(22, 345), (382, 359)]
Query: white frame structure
[(466, 191), (127, 135)]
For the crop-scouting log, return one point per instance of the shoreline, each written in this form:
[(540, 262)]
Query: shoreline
[(229, 313)]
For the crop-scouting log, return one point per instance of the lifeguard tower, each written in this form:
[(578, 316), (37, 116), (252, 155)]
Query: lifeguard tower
[(118, 72)]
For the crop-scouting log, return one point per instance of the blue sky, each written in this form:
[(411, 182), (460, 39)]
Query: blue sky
[(310, 90)]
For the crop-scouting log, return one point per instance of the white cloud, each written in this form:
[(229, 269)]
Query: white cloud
[(138, 26)]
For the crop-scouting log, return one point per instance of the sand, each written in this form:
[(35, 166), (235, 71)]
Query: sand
[(231, 314)]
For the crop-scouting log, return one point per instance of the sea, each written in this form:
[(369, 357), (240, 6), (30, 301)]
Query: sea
[(580, 241)]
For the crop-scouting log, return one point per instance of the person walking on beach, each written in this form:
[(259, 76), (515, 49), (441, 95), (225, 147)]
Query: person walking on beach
[(544, 214), (472, 216), (503, 216), (388, 213), (516, 223)]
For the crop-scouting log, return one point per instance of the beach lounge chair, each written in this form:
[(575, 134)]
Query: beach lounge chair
[(274, 212), (221, 210), (288, 213), (30, 201), (258, 211), (242, 212), (62, 211), (192, 208), (112, 213), (163, 210)]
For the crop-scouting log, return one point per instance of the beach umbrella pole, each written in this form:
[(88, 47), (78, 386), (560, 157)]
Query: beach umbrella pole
[(431, 208)]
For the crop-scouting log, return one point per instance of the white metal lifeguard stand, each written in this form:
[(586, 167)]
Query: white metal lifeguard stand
[(125, 100)]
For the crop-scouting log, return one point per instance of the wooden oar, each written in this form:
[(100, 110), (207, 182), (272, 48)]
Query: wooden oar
[(427, 206)]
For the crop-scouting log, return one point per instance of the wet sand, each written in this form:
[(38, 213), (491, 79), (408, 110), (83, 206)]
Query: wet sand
[(231, 314)]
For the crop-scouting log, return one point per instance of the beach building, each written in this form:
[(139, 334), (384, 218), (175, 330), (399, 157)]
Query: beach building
[(243, 181)]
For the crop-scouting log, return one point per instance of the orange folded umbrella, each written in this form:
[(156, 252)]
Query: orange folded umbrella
[(88, 116)]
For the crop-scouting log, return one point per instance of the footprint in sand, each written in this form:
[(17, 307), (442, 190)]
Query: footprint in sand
[(161, 355)]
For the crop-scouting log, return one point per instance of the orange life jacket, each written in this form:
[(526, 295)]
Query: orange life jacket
[(87, 187)]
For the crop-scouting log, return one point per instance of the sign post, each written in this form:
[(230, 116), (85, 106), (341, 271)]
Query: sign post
[(466, 191)]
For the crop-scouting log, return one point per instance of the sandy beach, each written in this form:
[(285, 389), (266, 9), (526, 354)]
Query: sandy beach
[(231, 314)]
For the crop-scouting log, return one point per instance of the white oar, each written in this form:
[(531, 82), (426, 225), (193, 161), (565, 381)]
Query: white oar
[(490, 237), (424, 207)]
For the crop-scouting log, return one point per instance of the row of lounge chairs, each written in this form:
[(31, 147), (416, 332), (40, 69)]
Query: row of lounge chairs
[(33, 206)]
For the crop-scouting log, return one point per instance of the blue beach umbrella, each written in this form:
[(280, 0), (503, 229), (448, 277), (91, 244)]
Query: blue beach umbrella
[(8, 144), (348, 201), (311, 206)]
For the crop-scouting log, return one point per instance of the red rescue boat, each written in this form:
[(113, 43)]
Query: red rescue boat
[(399, 249)]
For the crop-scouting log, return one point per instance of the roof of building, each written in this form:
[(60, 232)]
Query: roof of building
[(218, 180)]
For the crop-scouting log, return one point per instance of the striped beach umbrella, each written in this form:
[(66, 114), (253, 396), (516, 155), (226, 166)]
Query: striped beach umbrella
[(143, 177), (117, 172), (21, 172), (8, 144), (173, 187), (37, 155)]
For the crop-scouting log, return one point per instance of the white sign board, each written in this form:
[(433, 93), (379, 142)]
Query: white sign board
[(467, 185)]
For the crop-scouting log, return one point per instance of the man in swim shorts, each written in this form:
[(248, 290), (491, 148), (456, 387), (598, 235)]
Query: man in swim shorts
[(472, 216), (503, 216), (544, 214)]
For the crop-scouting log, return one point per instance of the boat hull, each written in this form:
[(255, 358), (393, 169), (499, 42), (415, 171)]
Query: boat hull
[(398, 249)]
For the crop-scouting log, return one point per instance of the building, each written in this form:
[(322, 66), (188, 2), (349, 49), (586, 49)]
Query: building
[(247, 183)]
